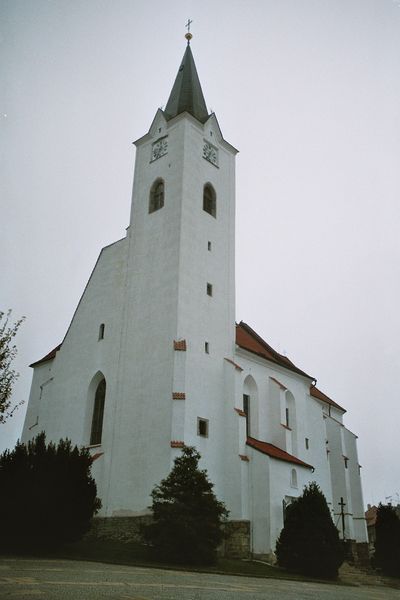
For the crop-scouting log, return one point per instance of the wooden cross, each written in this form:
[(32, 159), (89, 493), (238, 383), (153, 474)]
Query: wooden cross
[(342, 504), (188, 25)]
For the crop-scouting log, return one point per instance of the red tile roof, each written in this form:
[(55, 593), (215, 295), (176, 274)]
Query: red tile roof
[(48, 356), (275, 452), (314, 391), (249, 340)]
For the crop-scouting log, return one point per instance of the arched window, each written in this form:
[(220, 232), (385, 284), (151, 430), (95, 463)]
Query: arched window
[(98, 413), (210, 200), (250, 406), (290, 420), (156, 196)]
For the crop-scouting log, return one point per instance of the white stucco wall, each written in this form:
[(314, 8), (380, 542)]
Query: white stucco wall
[(66, 404), (355, 487), (318, 457), (272, 402), (339, 476), (42, 380)]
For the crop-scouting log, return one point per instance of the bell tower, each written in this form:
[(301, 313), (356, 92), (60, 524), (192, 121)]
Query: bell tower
[(179, 320)]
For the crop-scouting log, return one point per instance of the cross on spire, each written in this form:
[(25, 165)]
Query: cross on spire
[(188, 36)]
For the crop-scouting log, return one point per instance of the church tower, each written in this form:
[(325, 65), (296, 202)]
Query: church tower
[(178, 323)]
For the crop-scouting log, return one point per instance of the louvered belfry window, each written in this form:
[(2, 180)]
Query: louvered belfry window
[(156, 196), (210, 200)]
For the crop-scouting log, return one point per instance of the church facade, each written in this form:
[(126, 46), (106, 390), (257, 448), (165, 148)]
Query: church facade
[(153, 360)]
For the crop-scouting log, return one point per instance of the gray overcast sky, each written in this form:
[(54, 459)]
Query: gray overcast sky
[(307, 90)]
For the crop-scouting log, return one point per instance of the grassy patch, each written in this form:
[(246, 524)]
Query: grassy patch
[(134, 554)]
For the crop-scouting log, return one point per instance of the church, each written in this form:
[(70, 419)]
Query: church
[(153, 360)]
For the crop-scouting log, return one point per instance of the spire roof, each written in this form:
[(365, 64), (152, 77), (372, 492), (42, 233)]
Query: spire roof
[(186, 94)]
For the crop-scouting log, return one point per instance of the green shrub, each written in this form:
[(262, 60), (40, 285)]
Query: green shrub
[(187, 515), (47, 494), (309, 541), (387, 541)]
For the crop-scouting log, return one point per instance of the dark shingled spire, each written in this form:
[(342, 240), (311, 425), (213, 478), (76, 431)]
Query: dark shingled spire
[(186, 94)]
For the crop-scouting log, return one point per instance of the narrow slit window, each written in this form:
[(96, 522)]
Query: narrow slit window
[(307, 441), (246, 410), (287, 417), (101, 331), (209, 289), (209, 246), (293, 478), (206, 348), (202, 427)]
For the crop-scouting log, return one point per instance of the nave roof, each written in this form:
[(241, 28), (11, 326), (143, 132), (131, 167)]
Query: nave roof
[(249, 340)]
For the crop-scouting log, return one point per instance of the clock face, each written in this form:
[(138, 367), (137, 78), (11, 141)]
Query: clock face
[(159, 148), (210, 153)]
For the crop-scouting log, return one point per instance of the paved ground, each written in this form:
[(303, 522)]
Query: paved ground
[(30, 579)]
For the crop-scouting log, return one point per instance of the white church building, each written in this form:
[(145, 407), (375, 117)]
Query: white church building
[(153, 359)]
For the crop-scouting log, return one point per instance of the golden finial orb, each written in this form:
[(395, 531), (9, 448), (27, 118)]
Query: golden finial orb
[(188, 35)]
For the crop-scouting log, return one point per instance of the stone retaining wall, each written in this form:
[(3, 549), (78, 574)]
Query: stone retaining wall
[(121, 529), (357, 553), (237, 541), (127, 529)]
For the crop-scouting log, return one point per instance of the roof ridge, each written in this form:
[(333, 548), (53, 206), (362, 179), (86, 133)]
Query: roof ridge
[(263, 342), (325, 398), (275, 452), (280, 359)]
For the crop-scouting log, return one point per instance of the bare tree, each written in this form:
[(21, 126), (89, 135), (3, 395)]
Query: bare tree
[(8, 375)]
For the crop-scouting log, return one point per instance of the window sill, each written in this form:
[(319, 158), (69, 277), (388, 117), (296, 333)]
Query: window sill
[(286, 427), (93, 446)]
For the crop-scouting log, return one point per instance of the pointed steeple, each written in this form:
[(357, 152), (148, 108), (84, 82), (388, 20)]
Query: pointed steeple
[(186, 94)]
